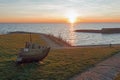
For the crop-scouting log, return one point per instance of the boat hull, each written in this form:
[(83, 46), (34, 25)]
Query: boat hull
[(32, 55)]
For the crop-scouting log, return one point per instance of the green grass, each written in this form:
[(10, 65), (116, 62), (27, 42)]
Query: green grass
[(60, 64)]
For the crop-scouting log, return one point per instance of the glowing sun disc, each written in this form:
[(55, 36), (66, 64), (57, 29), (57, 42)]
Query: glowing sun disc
[(72, 19), (72, 16)]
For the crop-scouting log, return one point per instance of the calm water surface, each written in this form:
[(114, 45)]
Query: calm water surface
[(66, 32)]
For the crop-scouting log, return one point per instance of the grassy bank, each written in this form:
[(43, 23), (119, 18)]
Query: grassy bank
[(59, 40), (60, 64)]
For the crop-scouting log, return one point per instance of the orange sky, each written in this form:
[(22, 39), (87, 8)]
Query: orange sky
[(34, 20), (99, 20), (50, 20)]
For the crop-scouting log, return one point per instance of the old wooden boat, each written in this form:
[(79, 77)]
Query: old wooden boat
[(32, 53)]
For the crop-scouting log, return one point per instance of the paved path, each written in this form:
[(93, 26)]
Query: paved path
[(50, 42), (106, 70)]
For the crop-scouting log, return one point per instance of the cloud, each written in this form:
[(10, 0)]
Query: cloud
[(52, 8)]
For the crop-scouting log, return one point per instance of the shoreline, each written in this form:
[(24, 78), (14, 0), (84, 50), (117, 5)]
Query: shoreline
[(102, 45), (62, 42)]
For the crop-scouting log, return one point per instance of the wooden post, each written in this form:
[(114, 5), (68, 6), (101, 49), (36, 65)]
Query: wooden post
[(110, 45), (30, 38)]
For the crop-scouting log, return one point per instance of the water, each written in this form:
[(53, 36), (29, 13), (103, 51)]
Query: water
[(66, 31)]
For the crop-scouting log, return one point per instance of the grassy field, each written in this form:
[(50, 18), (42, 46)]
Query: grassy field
[(60, 64)]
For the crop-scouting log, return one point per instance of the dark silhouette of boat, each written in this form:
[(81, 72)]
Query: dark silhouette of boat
[(32, 53)]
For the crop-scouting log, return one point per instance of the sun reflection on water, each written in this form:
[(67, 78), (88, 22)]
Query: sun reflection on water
[(71, 34)]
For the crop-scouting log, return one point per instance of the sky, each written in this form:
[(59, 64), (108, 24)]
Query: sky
[(58, 10)]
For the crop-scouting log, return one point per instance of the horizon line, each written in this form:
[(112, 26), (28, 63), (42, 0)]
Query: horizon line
[(54, 22)]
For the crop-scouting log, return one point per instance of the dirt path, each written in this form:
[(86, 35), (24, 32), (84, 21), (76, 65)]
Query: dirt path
[(106, 70), (50, 42)]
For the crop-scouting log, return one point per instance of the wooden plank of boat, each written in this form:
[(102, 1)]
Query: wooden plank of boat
[(32, 54)]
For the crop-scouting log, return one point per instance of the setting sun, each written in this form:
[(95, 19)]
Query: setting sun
[(72, 16), (72, 19)]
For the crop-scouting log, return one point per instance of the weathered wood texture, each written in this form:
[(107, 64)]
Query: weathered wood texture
[(32, 53)]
